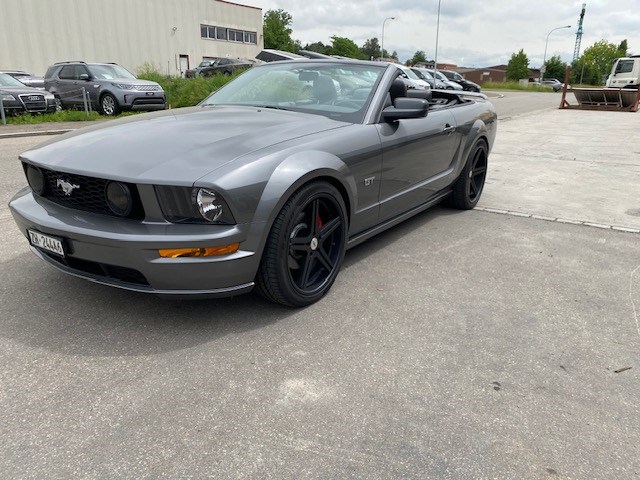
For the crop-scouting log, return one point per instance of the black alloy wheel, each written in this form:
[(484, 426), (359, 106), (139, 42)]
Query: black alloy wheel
[(305, 248), (468, 187)]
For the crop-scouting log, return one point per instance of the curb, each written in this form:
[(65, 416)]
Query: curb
[(585, 223), (35, 134)]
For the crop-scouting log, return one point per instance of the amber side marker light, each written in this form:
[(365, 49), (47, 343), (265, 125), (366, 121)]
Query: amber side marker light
[(198, 252)]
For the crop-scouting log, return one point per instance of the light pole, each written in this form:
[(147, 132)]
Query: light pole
[(544, 59), (382, 39), (435, 60)]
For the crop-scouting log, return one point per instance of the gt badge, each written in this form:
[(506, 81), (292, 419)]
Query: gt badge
[(369, 181)]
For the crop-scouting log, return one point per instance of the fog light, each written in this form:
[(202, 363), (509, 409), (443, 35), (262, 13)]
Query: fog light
[(119, 198), (198, 252), (209, 207), (36, 180)]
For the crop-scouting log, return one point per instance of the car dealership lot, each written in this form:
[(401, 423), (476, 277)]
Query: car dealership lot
[(492, 355)]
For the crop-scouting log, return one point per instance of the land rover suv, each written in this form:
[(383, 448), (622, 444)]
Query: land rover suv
[(108, 87)]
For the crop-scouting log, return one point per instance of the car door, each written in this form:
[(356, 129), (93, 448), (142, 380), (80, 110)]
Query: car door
[(63, 85), (416, 153)]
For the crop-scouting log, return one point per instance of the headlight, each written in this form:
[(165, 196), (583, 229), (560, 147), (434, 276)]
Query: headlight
[(36, 179), (193, 205), (49, 96), (8, 98), (119, 198), (124, 86)]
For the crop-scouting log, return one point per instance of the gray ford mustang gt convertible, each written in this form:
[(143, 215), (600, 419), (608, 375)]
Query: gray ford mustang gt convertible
[(266, 183)]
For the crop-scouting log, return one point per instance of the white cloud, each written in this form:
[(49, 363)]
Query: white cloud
[(471, 34)]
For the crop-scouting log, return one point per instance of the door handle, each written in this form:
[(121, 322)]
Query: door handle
[(448, 129)]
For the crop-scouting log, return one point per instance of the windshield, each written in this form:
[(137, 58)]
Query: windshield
[(110, 72), (9, 81), (441, 76), (341, 91), (410, 73), (426, 73)]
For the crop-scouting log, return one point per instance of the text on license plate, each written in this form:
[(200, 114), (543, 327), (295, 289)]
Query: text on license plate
[(46, 242)]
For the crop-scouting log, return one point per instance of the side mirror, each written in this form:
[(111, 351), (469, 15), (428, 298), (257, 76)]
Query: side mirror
[(406, 108), (85, 77)]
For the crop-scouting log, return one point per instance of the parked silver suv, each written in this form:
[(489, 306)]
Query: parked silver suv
[(110, 87)]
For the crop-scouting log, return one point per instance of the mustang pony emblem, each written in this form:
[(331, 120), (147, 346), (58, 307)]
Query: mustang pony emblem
[(67, 187)]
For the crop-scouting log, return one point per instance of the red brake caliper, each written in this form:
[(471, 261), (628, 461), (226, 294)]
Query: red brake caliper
[(319, 223)]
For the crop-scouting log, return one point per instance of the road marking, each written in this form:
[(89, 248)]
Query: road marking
[(584, 223)]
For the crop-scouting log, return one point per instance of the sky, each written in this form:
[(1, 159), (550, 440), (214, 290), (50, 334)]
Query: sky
[(472, 34)]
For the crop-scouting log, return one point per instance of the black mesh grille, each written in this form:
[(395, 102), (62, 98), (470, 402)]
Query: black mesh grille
[(34, 103), (88, 194), (122, 274)]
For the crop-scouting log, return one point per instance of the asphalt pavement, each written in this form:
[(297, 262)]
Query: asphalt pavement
[(500, 342)]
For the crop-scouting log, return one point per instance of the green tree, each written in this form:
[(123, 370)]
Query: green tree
[(623, 48), (419, 56), (518, 66), (597, 61), (344, 47), (316, 47), (555, 68), (394, 55), (370, 48), (277, 33)]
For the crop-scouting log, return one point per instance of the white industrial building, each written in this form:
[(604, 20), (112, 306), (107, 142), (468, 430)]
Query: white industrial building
[(170, 35)]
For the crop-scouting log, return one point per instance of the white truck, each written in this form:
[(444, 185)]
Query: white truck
[(625, 73)]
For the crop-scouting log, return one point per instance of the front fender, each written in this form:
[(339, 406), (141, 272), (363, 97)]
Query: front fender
[(297, 170)]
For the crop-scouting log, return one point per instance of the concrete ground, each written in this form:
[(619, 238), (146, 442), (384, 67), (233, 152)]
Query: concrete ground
[(457, 345)]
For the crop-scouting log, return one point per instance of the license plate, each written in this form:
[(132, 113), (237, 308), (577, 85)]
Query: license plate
[(46, 242)]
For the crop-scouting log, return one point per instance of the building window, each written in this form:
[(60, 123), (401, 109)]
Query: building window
[(228, 34), (235, 36), (221, 33)]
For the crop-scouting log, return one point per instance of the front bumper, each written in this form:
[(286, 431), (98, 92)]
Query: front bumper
[(147, 101), (123, 253), (23, 105)]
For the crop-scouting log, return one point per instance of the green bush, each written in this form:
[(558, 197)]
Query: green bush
[(531, 86), (62, 116), (184, 92)]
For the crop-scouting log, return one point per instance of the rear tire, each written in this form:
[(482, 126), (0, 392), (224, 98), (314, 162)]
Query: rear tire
[(468, 187), (305, 247)]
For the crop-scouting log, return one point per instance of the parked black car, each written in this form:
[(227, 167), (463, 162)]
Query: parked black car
[(467, 85), (18, 98), (225, 66)]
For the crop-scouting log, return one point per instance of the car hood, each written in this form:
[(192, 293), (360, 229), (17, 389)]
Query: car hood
[(174, 147), (128, 81), (24, 90)]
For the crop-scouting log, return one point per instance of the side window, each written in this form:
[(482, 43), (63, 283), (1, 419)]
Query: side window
[(67, 72), (50, 71), (625, 66), (225, 61), (80, 69)]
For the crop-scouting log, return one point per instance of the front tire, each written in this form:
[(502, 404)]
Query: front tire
[(305, 247), (109, 105), (468, 187)]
